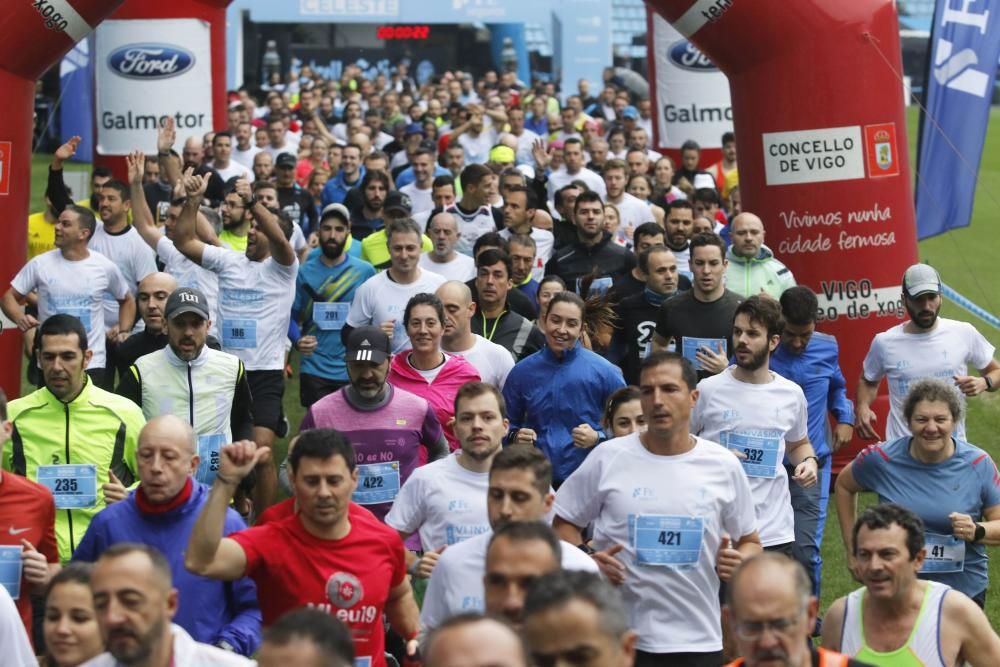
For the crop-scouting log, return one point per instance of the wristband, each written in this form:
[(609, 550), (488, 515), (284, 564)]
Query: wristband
[(412, 570), (814, 458), (989, 382), (980, 533), (586, 548)]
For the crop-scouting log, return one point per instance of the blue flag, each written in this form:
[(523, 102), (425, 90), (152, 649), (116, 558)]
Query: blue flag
[(965, 45), (76, 113)]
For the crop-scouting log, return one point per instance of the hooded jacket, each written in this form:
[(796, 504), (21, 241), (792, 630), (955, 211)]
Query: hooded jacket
[(441, 392), (210, 610), (747, 277)]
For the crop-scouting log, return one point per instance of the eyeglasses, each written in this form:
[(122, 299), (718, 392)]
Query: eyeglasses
[(750, 630)]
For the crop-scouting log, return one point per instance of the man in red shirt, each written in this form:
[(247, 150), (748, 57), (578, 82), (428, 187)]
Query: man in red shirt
[(327, 555), (27, 532)]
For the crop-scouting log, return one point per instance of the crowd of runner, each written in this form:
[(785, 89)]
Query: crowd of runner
[(563, 405)]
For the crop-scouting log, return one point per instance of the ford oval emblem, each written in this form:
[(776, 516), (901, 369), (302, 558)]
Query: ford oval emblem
[(150, 61), (686, 55)]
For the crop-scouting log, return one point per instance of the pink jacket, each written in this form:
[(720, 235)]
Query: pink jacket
[(441, 392)]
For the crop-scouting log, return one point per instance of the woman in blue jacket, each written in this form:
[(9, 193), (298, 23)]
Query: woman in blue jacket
[(555, 397)]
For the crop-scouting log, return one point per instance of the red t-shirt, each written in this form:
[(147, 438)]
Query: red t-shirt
[(353, 575), (27, 512)]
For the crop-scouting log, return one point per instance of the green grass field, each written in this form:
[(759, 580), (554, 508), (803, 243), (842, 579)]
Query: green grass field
[(966, 263)]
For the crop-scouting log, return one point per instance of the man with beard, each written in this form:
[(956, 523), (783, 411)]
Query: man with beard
[(593, 252), (925, 346), (135, 603), (205, 387), (387, 426), (293, 199), (235, 221), (369, 218), (442, 228), (256, 289), (263, 166), (324, 289), (445, 501), (759, 415), (679, 226), (700, 321)]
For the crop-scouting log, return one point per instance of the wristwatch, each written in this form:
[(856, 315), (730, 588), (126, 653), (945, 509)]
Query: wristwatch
[(586, 548), (980, 533), (225, 646), (814, 458)]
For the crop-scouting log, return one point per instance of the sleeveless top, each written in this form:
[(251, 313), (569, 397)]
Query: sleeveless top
[(922, 647)]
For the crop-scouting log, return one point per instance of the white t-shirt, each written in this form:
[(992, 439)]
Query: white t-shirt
[(632, 211), (461, 268), (189, 274), (444, 502), (133, 257), (456, 583), (903, 358), (380, 298), (561, 178), (491, 360), (255, 304), (13, 637), (683, 258), (420, 200), (692, 498), (477, 149), (523, 153), (544, 244), (235, 168), (74, 288), (758, 420), (291, 146), (471, 226), (421, 219), (244, 157)]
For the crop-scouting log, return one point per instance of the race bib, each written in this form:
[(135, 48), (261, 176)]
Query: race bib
[(377, 483), (760, 449), (668, 541), (689, 346), (72, 486), (239, 334), (330, 316), (945, 553), (10, 570), (209, 447), (597, 287), (363, 662)]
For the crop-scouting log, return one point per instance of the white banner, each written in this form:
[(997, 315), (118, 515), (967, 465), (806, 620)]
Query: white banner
[(148, 70), (691, 93)]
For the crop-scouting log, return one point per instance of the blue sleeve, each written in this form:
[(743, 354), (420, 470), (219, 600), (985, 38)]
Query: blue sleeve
[(243, 631), (514, 401), (869, 467), (294, 333), (841, 406), (93, 543), (990, 481), (326, 197)]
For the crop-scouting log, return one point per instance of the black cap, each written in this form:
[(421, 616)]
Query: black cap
[(286, 160), (187, 300), (368, 344), (398, 201)]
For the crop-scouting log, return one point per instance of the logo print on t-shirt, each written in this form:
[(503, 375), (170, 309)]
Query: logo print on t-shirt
[(344, 590)]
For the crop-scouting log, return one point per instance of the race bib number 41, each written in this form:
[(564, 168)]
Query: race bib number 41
[(72, 486), (945, 553)]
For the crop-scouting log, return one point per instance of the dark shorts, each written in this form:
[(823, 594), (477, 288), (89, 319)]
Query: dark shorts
[(267, 388), (643, 659), (313, 387)]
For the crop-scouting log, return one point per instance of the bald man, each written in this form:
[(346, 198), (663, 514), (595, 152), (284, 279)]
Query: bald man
[(491, 360), (771, 613), (753, 269), (473, 640), (161, 513)]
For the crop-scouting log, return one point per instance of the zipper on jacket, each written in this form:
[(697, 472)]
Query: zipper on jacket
[(69, 513), (190, 396)]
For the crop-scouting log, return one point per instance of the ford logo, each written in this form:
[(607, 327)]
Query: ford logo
[(150, 61), (686, 55)]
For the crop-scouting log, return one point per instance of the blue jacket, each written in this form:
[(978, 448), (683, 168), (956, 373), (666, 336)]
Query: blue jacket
[(407, 176), (336, 189), (210, 610), (817, 372), (552, 396)]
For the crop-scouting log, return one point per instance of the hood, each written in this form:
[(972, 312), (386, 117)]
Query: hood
[(764, 255)]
